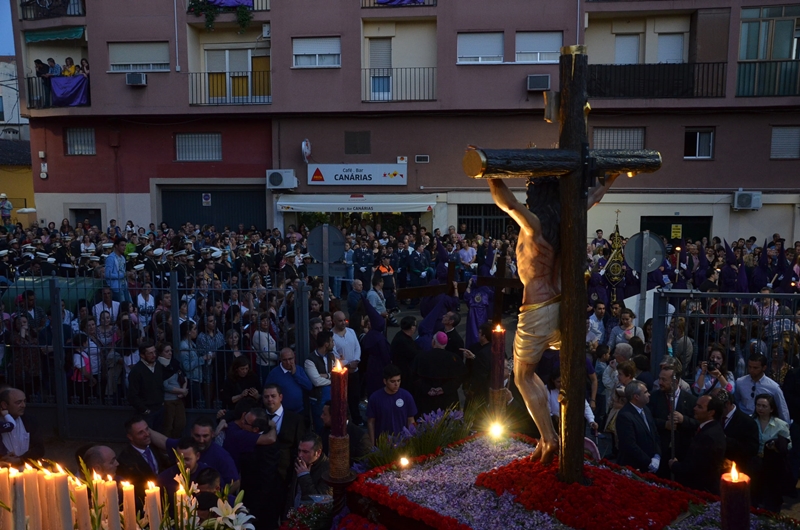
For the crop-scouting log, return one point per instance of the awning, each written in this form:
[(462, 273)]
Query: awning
[(412, 202), (54, 34)]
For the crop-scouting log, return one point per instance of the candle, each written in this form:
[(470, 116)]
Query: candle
[(128, 506), (498, 358), (6, 520), (152, 504), (99, 503), (180, 508), (63, 507), (111, 511), (32, 501), (17, 485), (82, 506), (339, 400), (735, 497), (41, 478)]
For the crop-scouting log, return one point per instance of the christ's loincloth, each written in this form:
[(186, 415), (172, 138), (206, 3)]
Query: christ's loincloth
[(538, 329)]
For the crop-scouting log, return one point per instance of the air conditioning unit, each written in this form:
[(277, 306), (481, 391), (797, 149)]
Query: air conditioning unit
[(136, 79), (747, 200), (538, 82), (281, 179)]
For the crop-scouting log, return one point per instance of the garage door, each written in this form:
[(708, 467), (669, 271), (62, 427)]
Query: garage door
[(218, 206)]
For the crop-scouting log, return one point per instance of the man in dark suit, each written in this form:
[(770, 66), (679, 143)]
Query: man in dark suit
[(138, 463), (639, 445), (290, 428), (702, 467), (404, 349), (307, 477), (741, 435), (16, 448), (146, 385), (671, 398)]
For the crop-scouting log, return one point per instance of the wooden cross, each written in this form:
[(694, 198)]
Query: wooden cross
[(423, 291), (576, 165), (499, 282)]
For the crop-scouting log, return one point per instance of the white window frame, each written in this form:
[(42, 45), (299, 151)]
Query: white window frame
[(80, 141), (632, 138), (480, 58), (229, 97), (143, 66), (538, 56), (788, 143), (335, 43), (214, 152), (698, 131)]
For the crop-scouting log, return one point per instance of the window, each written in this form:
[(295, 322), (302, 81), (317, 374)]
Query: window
[(80, 141), (380, 69), (198, 147), (670, 48), (239, 75), (626, 49), (480, 48), (618, 138), (138, 56), (538, 46), (317, 52), (785, 142), (769, 33), (698, 144), (357, 143)]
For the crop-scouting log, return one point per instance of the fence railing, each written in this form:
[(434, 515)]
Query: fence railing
[(42, 96), (41, 9), (680, 80), (258, 5), (398, 84), (397, 3), (230, 88), (743, 323), (81, 358), (768, 78)]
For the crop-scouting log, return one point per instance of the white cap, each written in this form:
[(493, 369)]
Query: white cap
[(217, 254), (138, 267), (147, 247), (51, 260), (94, 258), (3, 196), (133, 255), (42, 255), (108, 245), (3, 253), (289, 254), (158, 251)]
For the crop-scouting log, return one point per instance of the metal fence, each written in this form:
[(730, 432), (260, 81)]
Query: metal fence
[(41, 9), (398, 84), (485, 219), (397, 3), (71, 351), (768, 78), (40, 94), (741, 323), (678, 80), (230, 88)]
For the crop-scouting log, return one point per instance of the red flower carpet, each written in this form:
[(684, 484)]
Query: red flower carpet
[(609, 500)]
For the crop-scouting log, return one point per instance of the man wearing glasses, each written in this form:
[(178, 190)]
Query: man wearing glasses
[(755, 383)]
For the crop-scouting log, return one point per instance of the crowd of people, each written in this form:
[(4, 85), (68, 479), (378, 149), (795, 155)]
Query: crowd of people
[(238, 354)]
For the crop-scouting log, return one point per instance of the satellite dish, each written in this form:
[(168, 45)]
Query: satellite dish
[(306, 148)]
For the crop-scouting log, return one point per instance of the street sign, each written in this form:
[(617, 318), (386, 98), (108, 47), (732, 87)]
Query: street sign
[(654, 252), (677, 232), (206, 199), (335, 246)]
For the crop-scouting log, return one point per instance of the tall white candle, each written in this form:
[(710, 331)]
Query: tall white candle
[(32, 502), (17, 483), (152, 505), (128, 506), (180, 508), (6, 520), (44, 500), (112, 505), (82, 506), (63, 507)]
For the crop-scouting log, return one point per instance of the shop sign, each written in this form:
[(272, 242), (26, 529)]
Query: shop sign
[(357, 174)]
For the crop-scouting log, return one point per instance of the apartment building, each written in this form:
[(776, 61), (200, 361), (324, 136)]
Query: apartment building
[(276, 109)]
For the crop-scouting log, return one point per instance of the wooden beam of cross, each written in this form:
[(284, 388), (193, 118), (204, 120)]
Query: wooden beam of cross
[(576, 166), (498, 283), (423, 291)]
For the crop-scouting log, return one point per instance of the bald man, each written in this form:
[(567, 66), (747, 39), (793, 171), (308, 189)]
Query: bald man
[(347, 350), (292, 379), (437, 374), (101, 458)]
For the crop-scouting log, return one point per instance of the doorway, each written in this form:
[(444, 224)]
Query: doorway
[(94, 215), (693, 228)]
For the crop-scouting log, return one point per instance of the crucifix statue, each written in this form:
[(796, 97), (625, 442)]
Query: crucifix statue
[(551, 253)]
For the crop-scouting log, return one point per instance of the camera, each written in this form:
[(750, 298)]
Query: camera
[(713, 366)]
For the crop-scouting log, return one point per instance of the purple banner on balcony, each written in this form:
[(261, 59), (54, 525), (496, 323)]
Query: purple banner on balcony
[(231, 3), (398, 2), (70, 91)]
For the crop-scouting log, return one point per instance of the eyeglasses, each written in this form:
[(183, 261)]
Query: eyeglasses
[(753, 392)]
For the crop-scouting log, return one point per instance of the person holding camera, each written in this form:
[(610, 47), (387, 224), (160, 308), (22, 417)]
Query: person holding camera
[(713, 373)]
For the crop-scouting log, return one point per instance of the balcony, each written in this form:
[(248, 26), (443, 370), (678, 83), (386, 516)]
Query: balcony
[(397, 3), (42, 9), (398, 84), (768, 78), (58, 92), (666, 80), (223, 6), (230, 88)]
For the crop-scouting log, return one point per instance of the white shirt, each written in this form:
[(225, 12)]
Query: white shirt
[(747, 390), (278, 419), (347, 348), (100, 307)]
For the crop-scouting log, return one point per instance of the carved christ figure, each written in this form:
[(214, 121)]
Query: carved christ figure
[(539, 269)]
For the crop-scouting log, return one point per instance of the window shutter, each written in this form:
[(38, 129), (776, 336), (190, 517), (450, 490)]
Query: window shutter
[(539, 41), (670, 48), (626, 49), (480, 45), (380, 53), (316, 45), (138, 52), (215, 61), (618, 138), (785, 142), (238, 61), (200, 147)]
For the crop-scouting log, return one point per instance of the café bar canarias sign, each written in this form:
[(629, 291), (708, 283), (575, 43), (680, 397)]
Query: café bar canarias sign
[(357, 174)]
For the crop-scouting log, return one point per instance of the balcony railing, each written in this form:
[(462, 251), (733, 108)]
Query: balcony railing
[(397, 3), (258, 5), (398, 84), (41, 9), (230, 88), (666, 80), (58, 92), (768, 78)]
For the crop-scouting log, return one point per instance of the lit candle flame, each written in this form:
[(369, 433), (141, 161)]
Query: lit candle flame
[(495, 430), (404, 462), (47, 472), (151, 485), (338, 367), (28, 466), (59, 468), (181, 490), (96, 476), (631, 174), (498, 328), (678, 249), (110, 478), (734, 473), (13, 472), (126, 484)]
